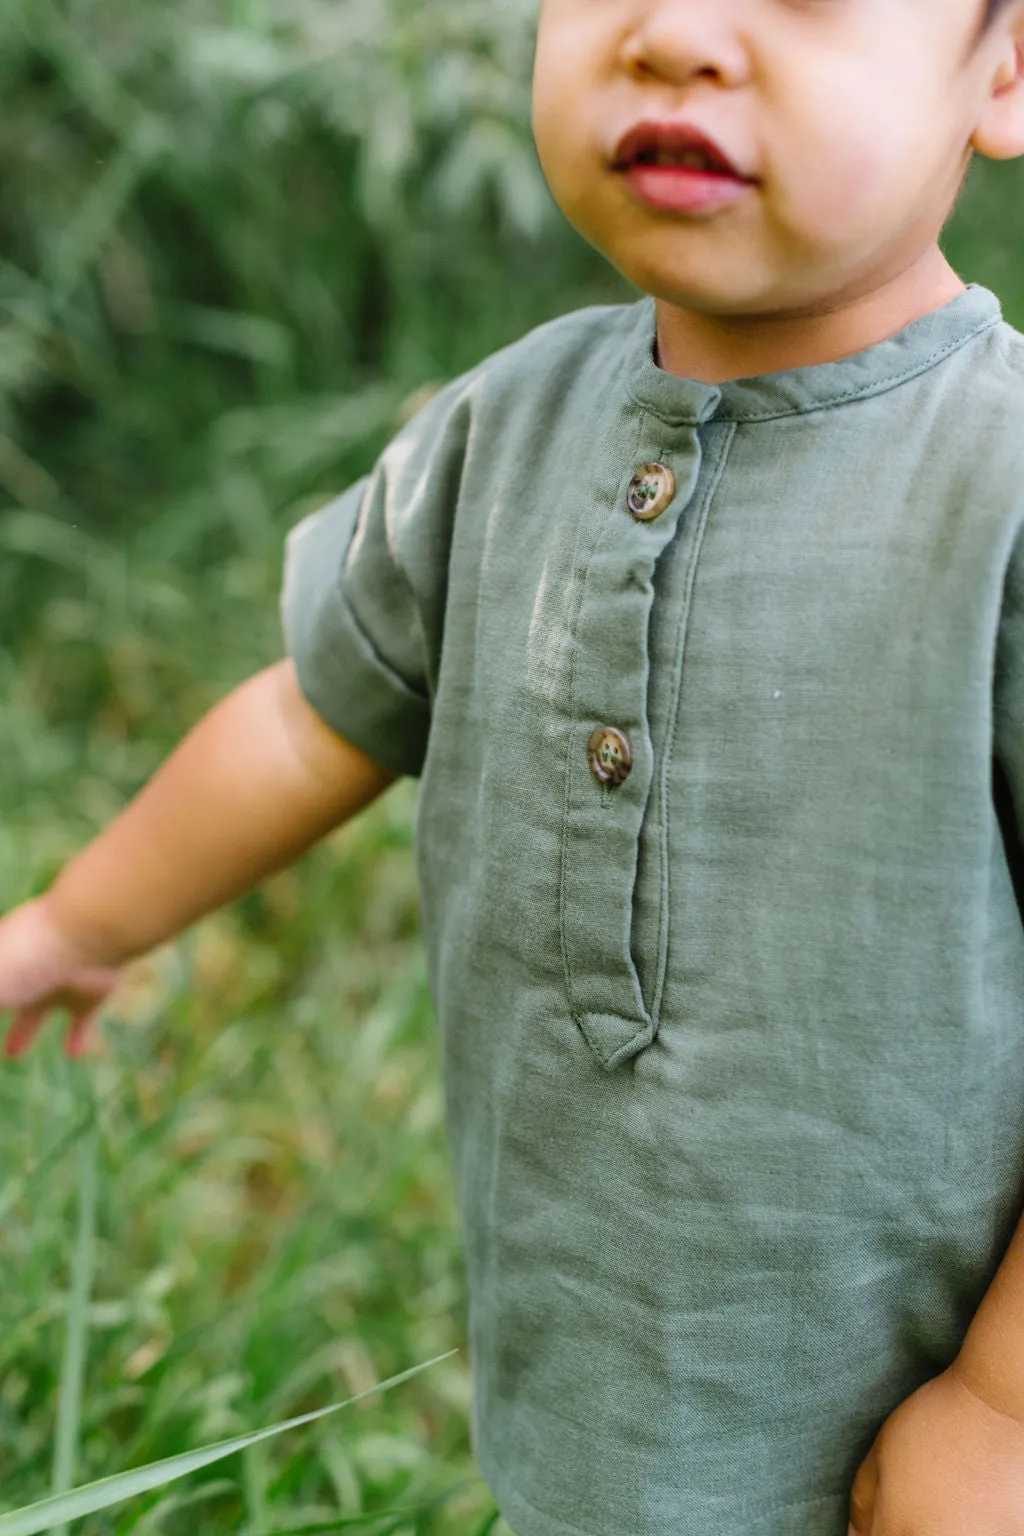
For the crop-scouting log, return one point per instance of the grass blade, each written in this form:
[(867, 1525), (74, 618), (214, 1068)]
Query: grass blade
[(21, 1184), (50, 1513), (69, 1404), (254, 1478), (386, 1520)]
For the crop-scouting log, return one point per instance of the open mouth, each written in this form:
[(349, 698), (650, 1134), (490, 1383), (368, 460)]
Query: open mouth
[(671, 146), (675, 168), (681, 160)]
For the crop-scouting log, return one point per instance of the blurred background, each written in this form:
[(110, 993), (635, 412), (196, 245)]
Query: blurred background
[(240, 242)]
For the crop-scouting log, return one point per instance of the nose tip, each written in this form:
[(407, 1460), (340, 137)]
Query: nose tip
[(681, 44)]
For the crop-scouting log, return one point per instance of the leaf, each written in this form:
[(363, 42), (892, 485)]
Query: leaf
[(253, 337), (52, 1512), (69, 1406)]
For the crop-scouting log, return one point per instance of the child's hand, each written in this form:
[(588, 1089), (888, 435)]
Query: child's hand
[(43, 968), (944, 1464)]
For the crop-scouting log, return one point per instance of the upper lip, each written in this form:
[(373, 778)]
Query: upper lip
[(650, 135)]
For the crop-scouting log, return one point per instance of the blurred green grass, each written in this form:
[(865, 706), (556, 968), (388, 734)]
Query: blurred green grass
[(238, 241), (276, 1227)]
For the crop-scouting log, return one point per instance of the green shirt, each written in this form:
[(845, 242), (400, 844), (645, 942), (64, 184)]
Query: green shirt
[(733, 1049)]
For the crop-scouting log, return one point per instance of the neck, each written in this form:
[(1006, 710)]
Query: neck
[(716, 348)]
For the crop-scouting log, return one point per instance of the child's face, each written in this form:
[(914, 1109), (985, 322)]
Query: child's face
[(854, 121)]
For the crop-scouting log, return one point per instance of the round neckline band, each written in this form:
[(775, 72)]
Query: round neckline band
[(913, 350)]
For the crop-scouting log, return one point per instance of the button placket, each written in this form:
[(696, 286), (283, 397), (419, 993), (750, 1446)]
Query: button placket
[(611, 757)]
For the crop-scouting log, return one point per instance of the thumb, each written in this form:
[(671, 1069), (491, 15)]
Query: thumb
[(865, 1492)]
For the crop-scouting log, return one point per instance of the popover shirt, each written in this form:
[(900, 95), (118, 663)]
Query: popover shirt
[(716, 697)]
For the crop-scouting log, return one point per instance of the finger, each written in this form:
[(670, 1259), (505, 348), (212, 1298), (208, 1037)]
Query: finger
[(82, 1032), (27, 1024)]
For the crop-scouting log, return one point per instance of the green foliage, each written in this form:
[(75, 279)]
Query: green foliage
[(238, 240), (275, 1220), (63, 1506)]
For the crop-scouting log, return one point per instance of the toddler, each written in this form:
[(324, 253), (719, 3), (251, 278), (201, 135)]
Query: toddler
[(701, 621)]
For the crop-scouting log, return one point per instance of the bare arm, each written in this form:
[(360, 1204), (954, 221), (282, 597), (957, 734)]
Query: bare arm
[(256, 783), (951, 1458), (991, 1362)]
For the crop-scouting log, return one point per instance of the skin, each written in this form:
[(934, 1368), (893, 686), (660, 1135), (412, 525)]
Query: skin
[(858, 119), (259, 780)]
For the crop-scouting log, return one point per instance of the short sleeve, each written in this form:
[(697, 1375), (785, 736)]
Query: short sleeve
[(364, 590), (1008, 719), (1009, 670)]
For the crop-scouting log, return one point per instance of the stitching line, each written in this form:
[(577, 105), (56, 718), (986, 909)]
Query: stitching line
[(876, 387), (703, 513), (573, 734)]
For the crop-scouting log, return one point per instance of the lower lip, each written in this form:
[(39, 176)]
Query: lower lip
[(683, 191)]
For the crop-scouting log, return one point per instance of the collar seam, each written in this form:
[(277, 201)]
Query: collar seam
[(875, 387)]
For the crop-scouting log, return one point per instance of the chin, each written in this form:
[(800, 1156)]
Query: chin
[(701, 266), (691, 281)]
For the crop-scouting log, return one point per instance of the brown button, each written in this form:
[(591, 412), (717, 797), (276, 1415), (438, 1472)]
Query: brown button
[(610, 754), (650, 492)]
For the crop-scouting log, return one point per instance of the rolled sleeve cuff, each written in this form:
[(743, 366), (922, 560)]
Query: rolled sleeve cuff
[(340, 671)]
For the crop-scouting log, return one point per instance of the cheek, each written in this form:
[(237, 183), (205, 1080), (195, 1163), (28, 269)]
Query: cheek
[(844, 187), (546, 130), (551, 83), (846, 172), (556, 113), (561, 147), (573, 82)]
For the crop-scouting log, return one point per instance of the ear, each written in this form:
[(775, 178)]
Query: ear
[(999, 132)]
